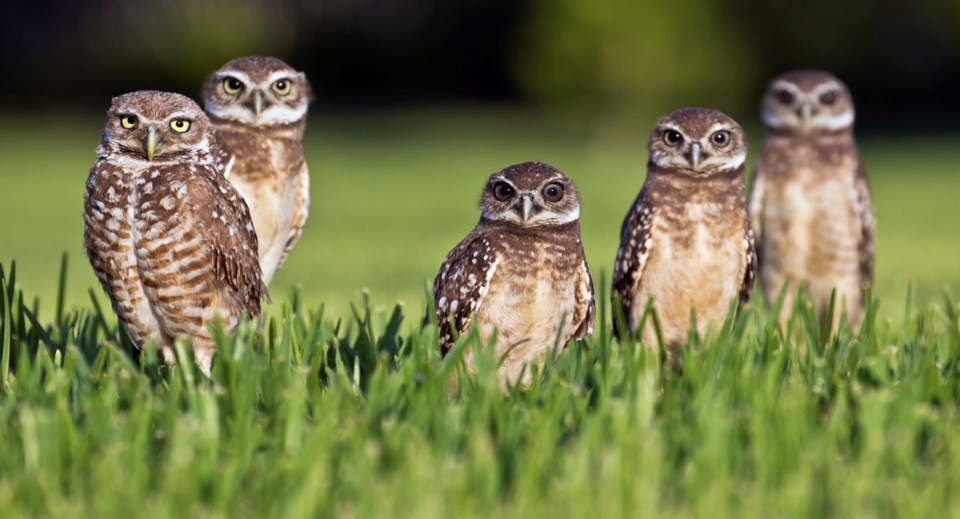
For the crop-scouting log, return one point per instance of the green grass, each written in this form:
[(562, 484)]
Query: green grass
[(319, 417), (339, 405)]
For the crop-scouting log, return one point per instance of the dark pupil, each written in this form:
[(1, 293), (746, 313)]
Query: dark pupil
[(503, 191), (281, 85), (720, 138), (234, 84), (130, 119), (178, 124), (785, 97), (673, 137), (552, 191), (828, 98)]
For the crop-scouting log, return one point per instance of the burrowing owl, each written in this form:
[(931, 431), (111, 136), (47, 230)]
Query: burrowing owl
[(169, 238), (810, 203), (521, 271), (686, 242), (258, 107)]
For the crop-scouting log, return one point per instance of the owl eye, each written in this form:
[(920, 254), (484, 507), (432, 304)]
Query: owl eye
[(785, 96), (553, 192), (503, 191), (720, 139), (828, 98), (282, 86), (129, 121), (232, 85), (180, 125), (672, 137)]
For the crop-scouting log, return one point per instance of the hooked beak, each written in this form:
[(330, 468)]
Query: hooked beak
[(527, 208), (806, 110), (257, 104), (695, 156), (151, 143)]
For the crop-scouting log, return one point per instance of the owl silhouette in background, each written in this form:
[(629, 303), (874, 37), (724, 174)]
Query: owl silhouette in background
[(170, 240), (521, 272), (258, 108), (810, 202)]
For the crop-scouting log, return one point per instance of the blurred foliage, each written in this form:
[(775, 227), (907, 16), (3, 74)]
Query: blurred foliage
[(657, 56), (608, 56), (639, 55)]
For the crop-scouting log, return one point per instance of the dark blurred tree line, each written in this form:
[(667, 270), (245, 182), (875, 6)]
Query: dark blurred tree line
[(899, 57)]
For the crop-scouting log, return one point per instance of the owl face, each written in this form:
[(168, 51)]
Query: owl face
[(697, 141), (156, 126), (532, 194), (808, 100), (258, 91)]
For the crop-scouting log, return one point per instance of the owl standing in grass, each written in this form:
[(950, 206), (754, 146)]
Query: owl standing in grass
[(686, 246), (169, 238), (810, 203), (521, 273), (258, 107)]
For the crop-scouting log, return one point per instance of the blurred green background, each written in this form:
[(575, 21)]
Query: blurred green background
[(418, 101)]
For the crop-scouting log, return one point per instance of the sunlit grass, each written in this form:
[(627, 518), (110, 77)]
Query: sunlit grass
[(318, 416)]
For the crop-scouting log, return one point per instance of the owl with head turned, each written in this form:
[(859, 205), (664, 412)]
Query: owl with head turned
[(258, 108), (810, 203), (520, 275), (170, 240), (686, 246)]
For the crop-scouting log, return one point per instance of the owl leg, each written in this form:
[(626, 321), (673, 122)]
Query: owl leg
[(203, 354)]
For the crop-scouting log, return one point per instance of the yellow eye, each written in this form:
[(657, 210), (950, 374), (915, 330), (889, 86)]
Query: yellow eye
[(232, 85), (180, 125), (281, 86), (129, 121)]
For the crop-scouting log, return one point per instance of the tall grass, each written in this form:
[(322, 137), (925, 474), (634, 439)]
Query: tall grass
[(307, 416)]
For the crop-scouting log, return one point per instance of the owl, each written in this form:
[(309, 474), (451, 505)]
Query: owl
[(810, 203), (258, 107), (170, 240), (686, 244), (521, 273)]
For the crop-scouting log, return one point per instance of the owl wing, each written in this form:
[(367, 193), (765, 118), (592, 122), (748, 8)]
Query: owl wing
[(461, 285), (301, 206), (230, 237), (750, 272), (757, 195), (586, 303), (863, 213), (633, 252)]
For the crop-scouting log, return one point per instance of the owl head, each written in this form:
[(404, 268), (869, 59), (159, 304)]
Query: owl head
[(532, 194), (808, 101), (697, 142), (258, 91), (156, 126)]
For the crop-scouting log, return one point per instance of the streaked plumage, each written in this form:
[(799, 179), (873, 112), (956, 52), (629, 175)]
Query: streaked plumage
[(521, 271), (686, 241), (258, 107), (169, 238), (810, 203)]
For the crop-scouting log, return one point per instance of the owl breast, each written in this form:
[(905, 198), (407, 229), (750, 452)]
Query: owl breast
[(697, 262), (810, 233), (266, 172), (531, 302)]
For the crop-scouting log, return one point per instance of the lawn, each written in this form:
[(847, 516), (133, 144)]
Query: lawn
[(341, 406)]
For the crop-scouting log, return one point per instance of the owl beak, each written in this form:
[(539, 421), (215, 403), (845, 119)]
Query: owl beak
[(257, 104), (527, 208), (151, 143), (806, 111), (695, 156)]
